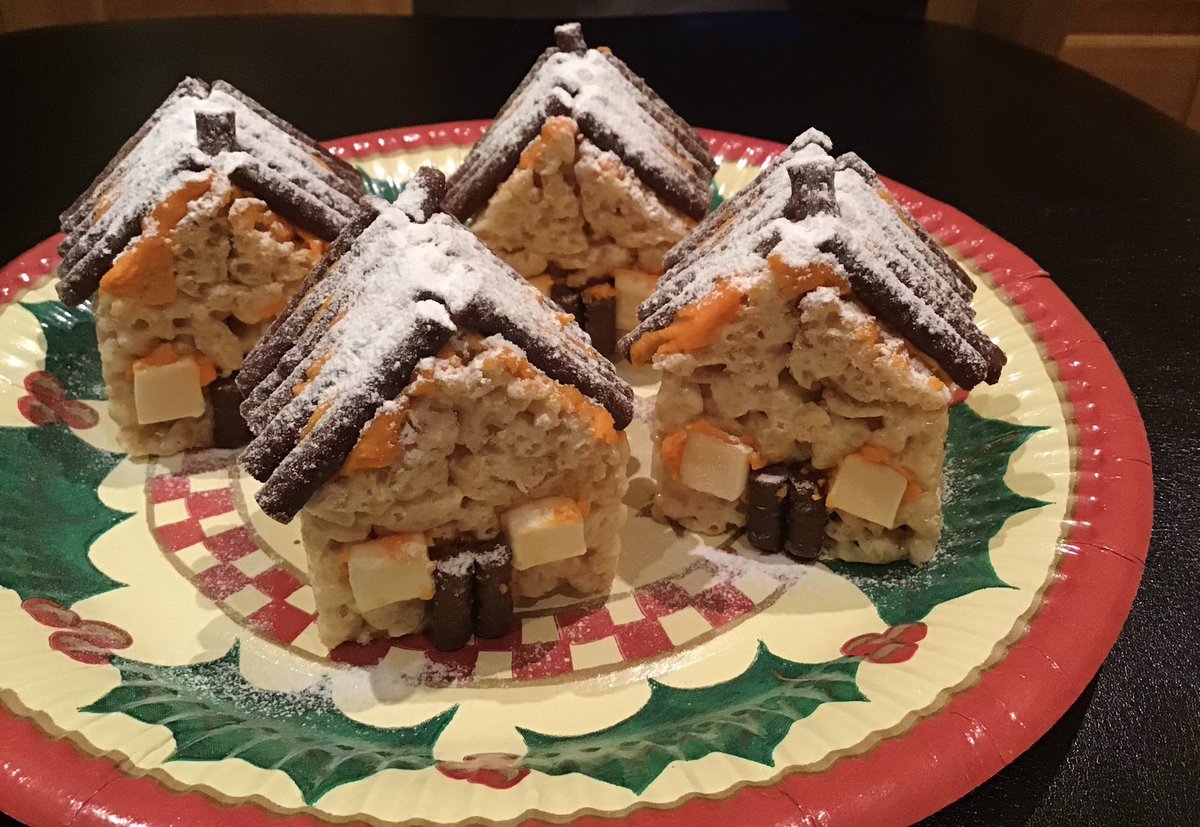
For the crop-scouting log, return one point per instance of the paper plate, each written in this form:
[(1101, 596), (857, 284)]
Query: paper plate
[(159, 660)]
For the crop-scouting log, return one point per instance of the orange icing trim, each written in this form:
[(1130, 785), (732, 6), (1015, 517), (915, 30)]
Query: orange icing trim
[(172, 209), (312, 372), (164, 354), (379, 445), (394, 546), (551, 129), (695, 326), (796, 281), (568, 512), (320, 411), (569, 398), (144, 273)]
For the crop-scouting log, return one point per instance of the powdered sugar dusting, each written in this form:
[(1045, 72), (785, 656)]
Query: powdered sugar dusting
[(167, 151), (614, 109), (860, 233)]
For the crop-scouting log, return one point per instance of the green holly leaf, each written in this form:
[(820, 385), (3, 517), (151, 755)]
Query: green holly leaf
[(385, 188), (50, 513), (978, 503), (746, 716), (71, 352), (214, 713)]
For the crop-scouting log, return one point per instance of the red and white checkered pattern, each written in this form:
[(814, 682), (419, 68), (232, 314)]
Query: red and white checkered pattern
[(196, 521)]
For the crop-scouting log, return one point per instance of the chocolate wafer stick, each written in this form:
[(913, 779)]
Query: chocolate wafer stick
[(687, 191), (600, 317), (452, 609), (766, 508), (568, 298), (229, 428), (569, 38), (806, 514), (291, 323), (288, 200), (493, 590), (310, 461), (82, 207), (930, 333), (432, 183), (600, 385), (216, 131), (688, 138), (77, 284), (812, 189), (471, 186), (337, 166)]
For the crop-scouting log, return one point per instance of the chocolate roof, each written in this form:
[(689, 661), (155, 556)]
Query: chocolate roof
[(613, 107), (809, 208), (391, 290), (196, 128)]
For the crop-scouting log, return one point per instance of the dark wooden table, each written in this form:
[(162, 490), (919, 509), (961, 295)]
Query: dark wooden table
[(1098, 188)]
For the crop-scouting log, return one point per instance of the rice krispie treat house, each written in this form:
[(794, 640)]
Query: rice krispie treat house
[(810, 334), (583, 182), (448, 436), (192, 239)]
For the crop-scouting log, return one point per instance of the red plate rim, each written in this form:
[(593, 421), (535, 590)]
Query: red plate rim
[(900, 780)]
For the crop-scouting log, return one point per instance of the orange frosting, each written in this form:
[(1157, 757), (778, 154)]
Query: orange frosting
[(567, 513), (598, 417), (551, 129), (164, 354), (174, 207), (695, 325), (671, 449), (145, 272), (882, 456), (394, 546), (379, 445), (568, 397), (312, 371), (796, 281), (320, 411)]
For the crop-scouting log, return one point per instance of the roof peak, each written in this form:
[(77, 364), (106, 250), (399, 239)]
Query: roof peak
[(614, 108), (392, 290), (200, 127), (810, 208)]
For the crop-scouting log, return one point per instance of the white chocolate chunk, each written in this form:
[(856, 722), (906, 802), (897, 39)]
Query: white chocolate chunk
[(165, 392), (633, 288), (544, 531), (388, 570), (714, 466), (866, 489)]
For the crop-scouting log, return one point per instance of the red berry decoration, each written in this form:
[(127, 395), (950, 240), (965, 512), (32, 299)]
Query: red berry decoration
[(895, 645), (87, 641), (49, 613), (497, 770), (48, 403), (77, 647), (104, 635)]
